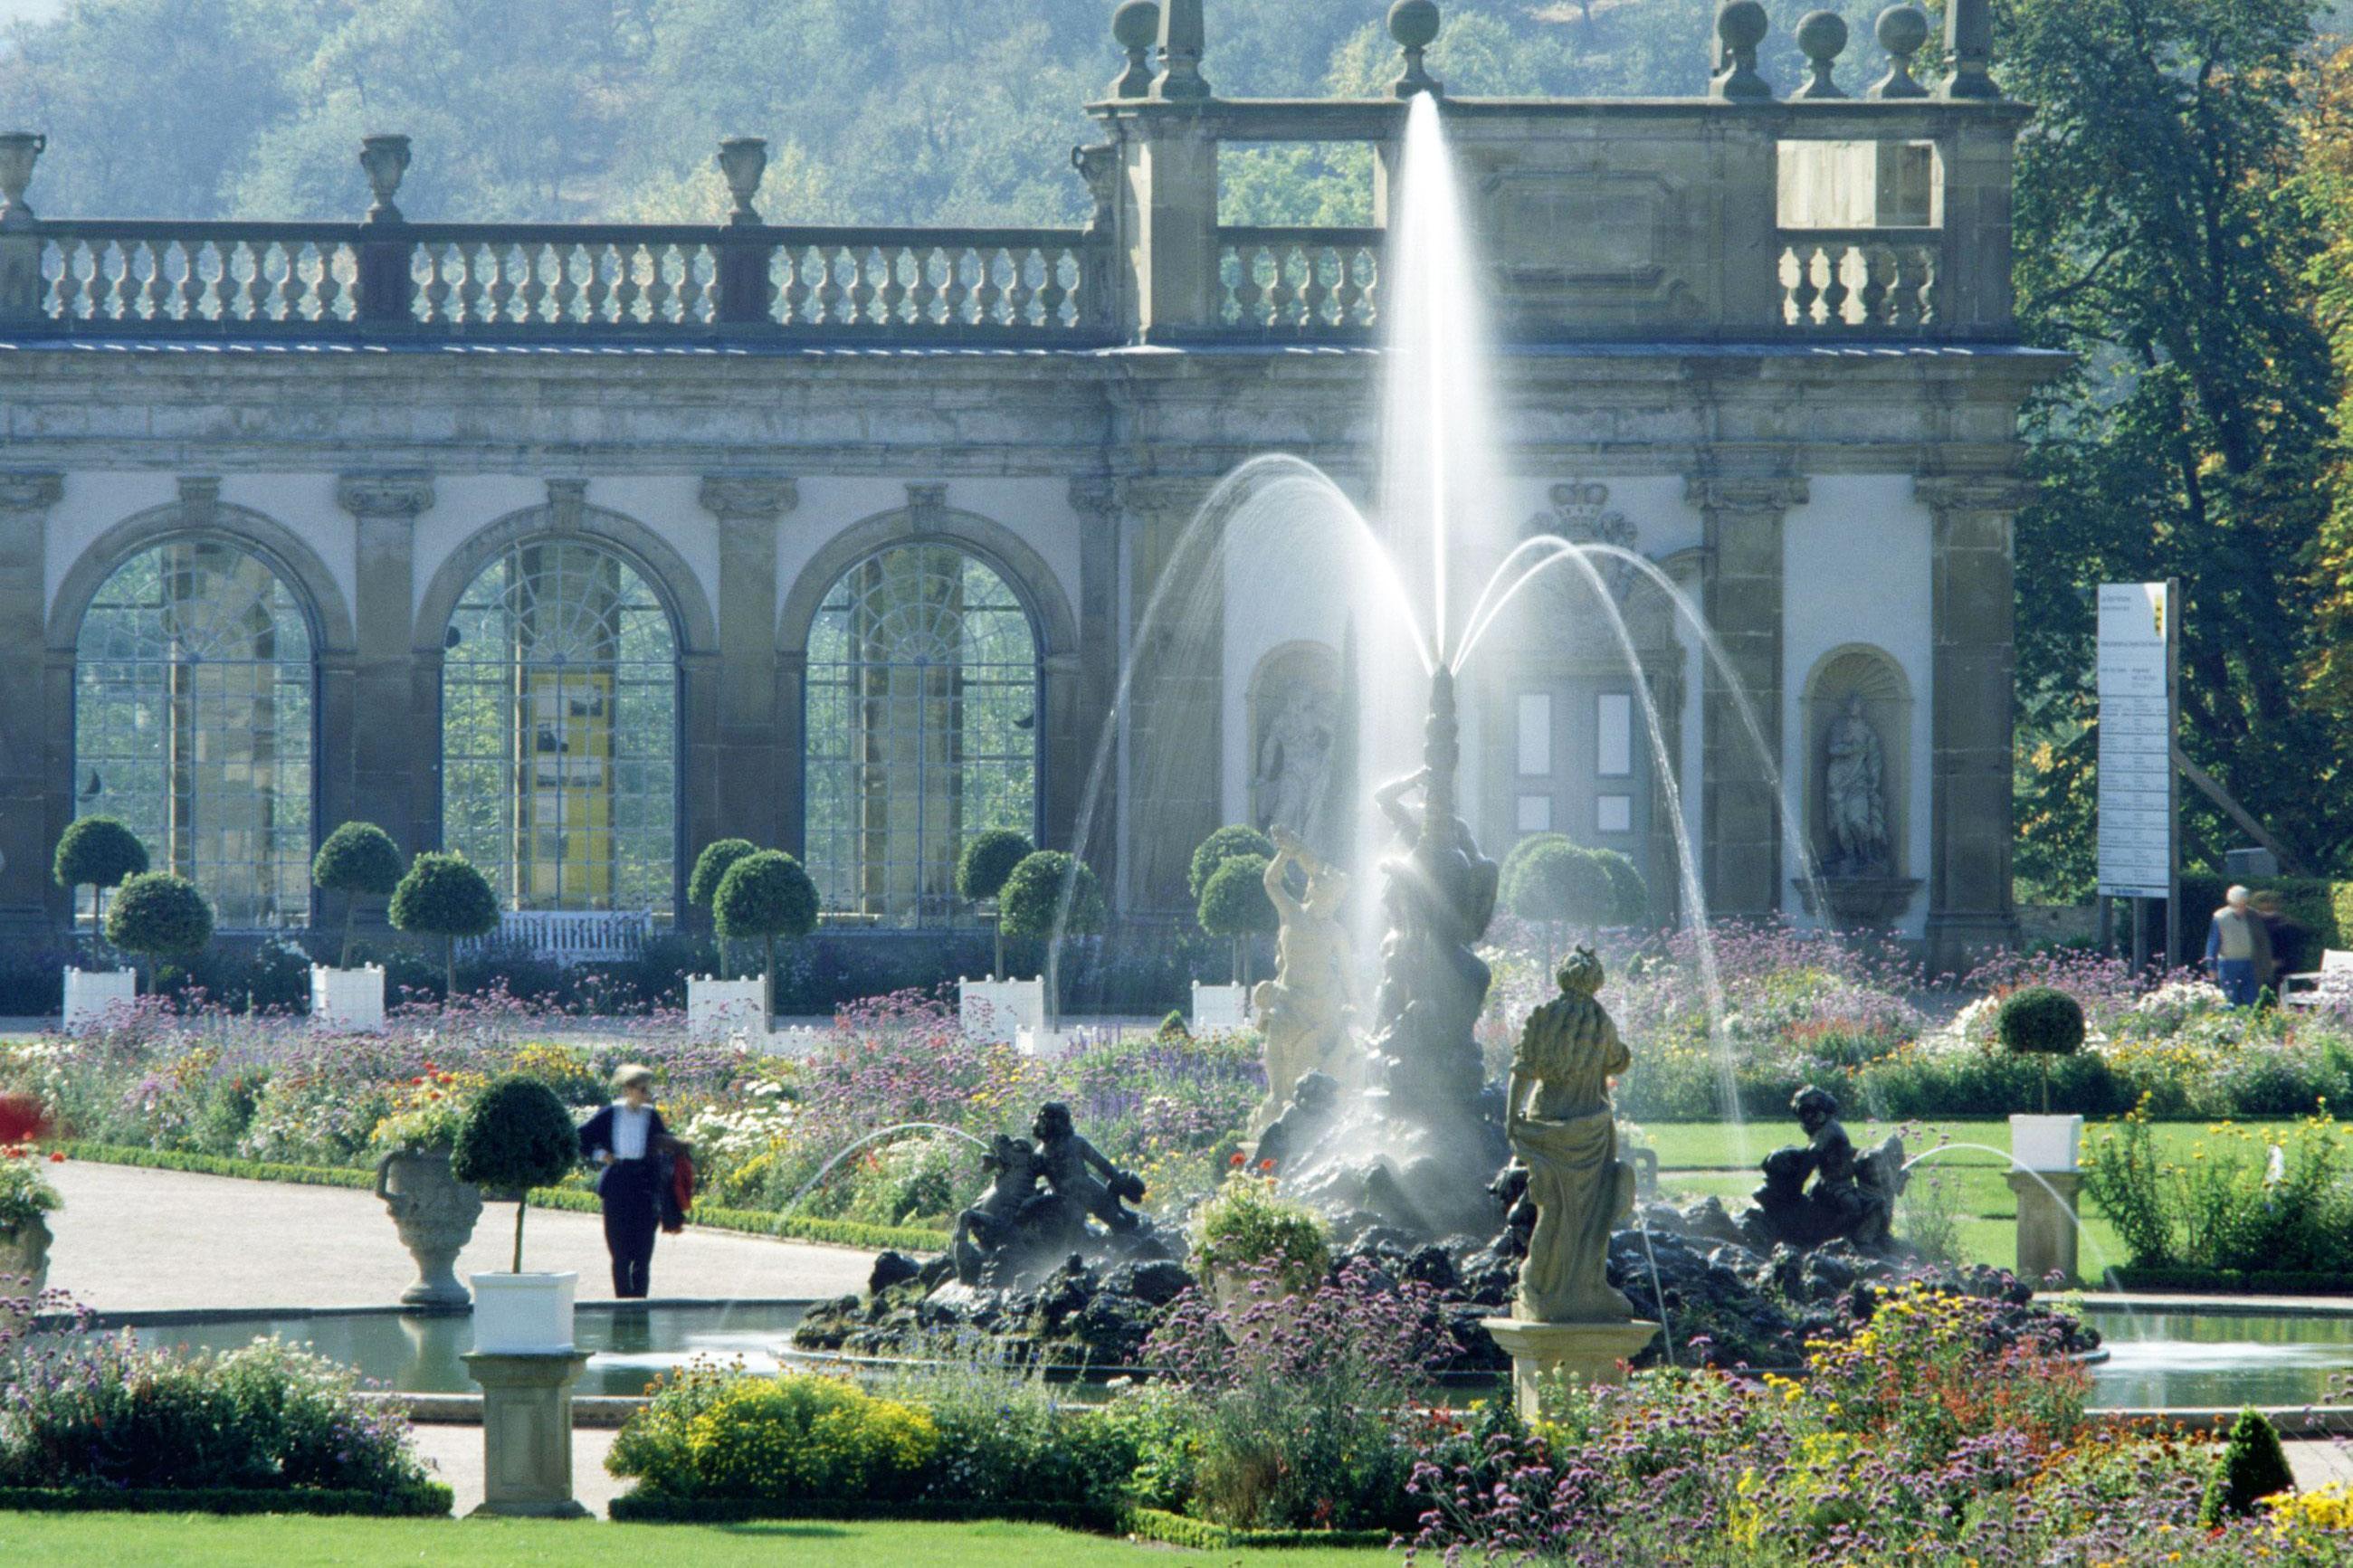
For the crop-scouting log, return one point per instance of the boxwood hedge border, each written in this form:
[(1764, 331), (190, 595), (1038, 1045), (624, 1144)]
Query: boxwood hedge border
[(430, 1500), (646, 1507)]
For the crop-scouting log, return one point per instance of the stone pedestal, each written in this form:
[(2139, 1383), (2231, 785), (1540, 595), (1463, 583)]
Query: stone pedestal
[(2047, 1233), (1860, 903), (1590, 1353), (527, 1434)]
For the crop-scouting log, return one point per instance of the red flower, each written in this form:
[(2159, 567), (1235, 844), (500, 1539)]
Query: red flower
[(1267, 1165), (21, 1120), (57, 1156), (1238, 1161), (416, 1083)]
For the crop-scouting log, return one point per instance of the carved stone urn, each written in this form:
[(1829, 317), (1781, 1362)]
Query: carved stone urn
[(24, 1257), (385, 159), (744, 160), (435, 1213), (19, 151)]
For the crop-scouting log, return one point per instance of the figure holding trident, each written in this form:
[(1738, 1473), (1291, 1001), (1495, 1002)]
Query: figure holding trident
[(1303, 1012)]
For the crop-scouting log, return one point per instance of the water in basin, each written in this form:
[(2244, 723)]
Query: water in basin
[(2176, 1361)]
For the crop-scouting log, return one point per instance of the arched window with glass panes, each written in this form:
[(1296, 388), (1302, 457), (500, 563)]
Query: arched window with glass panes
[(559, 730), (195, 699), (925, 691)]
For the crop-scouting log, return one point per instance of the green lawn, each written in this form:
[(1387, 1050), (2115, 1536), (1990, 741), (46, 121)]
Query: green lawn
[(143, 1541)]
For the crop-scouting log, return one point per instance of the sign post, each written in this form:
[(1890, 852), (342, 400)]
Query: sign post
[(2139, 710)]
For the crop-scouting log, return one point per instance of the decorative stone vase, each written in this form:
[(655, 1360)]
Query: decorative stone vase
[(90, 993), (25, 1255), (385, 158), (347, 1001), (744, 160), (523, 1314), (19, 151), (435, 1214)]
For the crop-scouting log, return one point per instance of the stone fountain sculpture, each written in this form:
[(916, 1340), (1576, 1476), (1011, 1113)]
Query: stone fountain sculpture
[(1566, 1317), (1304, 1011), (1824, 1190)]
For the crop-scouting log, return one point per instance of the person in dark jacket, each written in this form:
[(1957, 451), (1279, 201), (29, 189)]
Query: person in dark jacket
[(625, 1140)]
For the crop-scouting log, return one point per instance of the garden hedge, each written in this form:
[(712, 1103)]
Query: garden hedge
[(644, 1507), (2231, 1281), (1199, 1535), (432, 1500)]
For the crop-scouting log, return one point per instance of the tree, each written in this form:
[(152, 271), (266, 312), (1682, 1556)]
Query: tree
[(97, 853), (1549, 880), (711, 869), (443, 896), (359, 861), (764, 897), (986, 862), (1221, 846), (160, 917), (1051, 895), (516, 1135), (1234, 904)]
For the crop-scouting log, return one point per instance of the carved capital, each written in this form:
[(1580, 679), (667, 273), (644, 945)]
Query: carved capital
[(566, 501), (1746, 492), (751, 498), (1095, 498), (2005, 493), (385, 495), (22, 492), (200, 501), (1165, 499)]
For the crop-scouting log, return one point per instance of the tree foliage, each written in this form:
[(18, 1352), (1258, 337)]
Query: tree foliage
[(517, 1135), (1032, 898), (98, 852), (1547, 880), (359, 861), (988, 861), (160, 916), (1239, 838), (443, 896), (764, 897), (1234, 903), (712, 866)]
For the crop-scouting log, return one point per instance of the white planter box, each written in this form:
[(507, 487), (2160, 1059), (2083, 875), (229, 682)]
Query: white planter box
[(1049, 1045), (720, 1009), (523, 1314), (998, 1010), (1220, 1009), (91, 993), (2046, 1142), (347, 1001)]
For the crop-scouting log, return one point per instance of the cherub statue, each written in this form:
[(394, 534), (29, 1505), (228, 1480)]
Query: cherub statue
[(1080, 1180), (1303, 1012), (995, 1222)]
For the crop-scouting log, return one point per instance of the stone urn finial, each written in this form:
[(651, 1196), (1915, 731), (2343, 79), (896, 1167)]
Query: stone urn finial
[(1414, 24), (1822, 35), (19, 151), (1968, 38), (1742, 25), (385, 158), (1902, 30), (744, 161), (1135, 27), (1182, 39)]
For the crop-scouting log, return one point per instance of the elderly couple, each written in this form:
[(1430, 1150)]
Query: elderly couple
[(644, 1177)]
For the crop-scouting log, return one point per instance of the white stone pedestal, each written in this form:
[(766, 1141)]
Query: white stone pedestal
[(2047, 1223), (347, 1001), (1220, 1009), (527, 1434), (998, 1010), (1590, 1353), (719, 1009), (91, 993)]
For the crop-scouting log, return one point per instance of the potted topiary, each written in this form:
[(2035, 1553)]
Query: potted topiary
[(2043, 1022), (434, 1212), (517, 1135), (443, 896), (27, 1200), (96, 853), (359, 861), (1552, 882), (761, 897), (718, 1005), (1228, 1007), (1234, 905), (1050, 894), (1245, 1233), (981, 874), (159, 917)]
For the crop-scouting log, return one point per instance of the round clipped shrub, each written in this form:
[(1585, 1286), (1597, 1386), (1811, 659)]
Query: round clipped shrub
[(359, 861), (1031, 898), (711, 869), (1550, 881), (1629, 894), (1234, 904), (764, 897), (97, 853), (516, 1135), (982, 871), (160, 916), (1222, 846), (2043, 1022), (443, 896), (780, 1439)]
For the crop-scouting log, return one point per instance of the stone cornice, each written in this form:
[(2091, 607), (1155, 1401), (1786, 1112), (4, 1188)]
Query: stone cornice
[(1974, 492), (403, 494), (23, 491), (1747, 493), (750, 497)]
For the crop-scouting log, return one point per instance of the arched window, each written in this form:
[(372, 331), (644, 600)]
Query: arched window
[(924, 705), (193, 713), (559, 732)]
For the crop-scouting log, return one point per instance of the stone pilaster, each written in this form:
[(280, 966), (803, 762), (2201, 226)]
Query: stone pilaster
[(1742, 598), (1095, 686), (1174, 757), (33, 754), (379, 737), (1971, 754), (743, 793)]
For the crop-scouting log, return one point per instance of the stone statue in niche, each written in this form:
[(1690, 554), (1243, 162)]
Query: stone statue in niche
[(1851, 1197), (1855, 786), (1564, 1129), (1295, 764), (1303, 1011)]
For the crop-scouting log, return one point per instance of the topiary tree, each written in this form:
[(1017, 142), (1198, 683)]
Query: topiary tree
[(1552, 882), (986, 862), (160, 917), (443, 896), (764, 897), (97, 853), (359, 861), (1032, 901), (2251, 1467), (2043, 1022), (711, 869), (1629, 894), (1221, 846), (516, 1135), (1234, 904)]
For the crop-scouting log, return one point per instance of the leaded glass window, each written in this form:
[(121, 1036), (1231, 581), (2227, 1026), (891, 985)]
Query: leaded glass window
[(924, 703), (559, 732), (194, 692)]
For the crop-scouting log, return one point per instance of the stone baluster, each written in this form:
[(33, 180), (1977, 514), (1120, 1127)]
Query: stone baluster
[(1741, 25), (1136, 26), (1182, 40), (1822, 35), (1969, 40), (20, 239), (1902, 30), (1414, 24), (388, 292)]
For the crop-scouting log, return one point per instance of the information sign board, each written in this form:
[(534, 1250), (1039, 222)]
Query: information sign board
[(2138, 716)]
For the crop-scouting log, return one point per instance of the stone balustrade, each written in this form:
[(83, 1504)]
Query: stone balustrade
[(1300, 283), (1858, 282)]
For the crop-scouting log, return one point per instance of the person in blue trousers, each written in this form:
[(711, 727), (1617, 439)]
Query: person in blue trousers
[(625, 1139), (2238, 949)]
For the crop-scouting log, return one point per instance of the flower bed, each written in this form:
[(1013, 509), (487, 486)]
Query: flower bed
[(2235, 1203)]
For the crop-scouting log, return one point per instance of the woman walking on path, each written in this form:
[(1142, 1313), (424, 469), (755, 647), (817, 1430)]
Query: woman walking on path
[(625, 1139)]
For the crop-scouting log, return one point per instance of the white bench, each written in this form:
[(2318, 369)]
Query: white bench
[(2331, 982), (569, 936)]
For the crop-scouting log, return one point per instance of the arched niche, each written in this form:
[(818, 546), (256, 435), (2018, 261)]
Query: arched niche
[(1295, 742), (1868, 678)]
